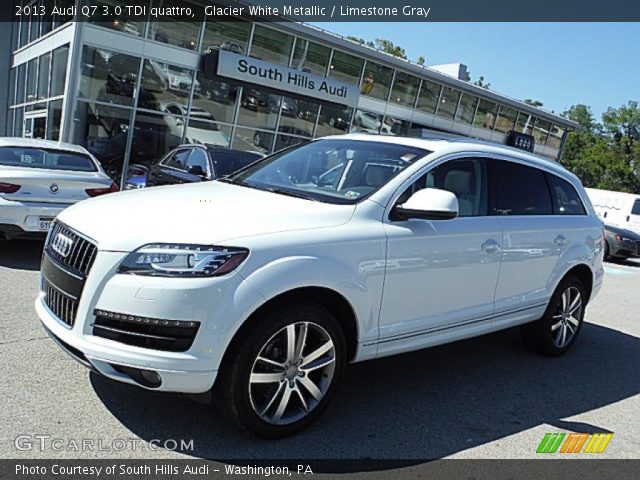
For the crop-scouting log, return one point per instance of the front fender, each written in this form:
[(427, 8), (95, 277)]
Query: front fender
[(362, 288)]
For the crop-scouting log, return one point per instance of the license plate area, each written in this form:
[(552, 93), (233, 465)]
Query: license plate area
[(44, 223)]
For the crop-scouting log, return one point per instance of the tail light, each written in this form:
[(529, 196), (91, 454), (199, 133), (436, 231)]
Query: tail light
[(96, 192), (9, 187)]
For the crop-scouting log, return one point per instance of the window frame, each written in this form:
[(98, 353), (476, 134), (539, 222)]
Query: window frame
[(164, 162), (208, 164)]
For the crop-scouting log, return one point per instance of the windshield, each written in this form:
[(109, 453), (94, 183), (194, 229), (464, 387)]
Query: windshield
[(331, 170), (46, 158)]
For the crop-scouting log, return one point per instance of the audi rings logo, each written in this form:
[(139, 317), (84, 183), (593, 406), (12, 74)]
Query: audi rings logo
[(62, 244), (54, 188)]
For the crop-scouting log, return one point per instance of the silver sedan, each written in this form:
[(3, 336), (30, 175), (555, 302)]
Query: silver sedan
[(39, 178)]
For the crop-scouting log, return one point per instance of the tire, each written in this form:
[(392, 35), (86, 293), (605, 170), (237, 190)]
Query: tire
[(607, 251), (252, 391), (545, 336)]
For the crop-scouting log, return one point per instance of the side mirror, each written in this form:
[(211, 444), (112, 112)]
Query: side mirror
[(197, 171), (429, 204)]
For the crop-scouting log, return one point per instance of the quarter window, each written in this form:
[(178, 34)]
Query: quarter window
[(566, 200), (518, 190), (636, 207)]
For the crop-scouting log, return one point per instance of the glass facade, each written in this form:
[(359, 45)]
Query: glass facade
[(405, 89), (130, 110)]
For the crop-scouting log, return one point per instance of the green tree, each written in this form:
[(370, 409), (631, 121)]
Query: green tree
[(481, 83), (383, 45), (533, 103), (605, 155), (420, 60)]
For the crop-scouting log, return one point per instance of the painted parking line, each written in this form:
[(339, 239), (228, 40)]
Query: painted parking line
[(608, 269)]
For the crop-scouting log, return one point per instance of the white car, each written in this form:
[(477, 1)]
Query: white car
[(39, 178), (266, 284)]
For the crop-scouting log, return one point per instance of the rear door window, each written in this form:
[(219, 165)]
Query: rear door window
[(636, 207), (517, 189), (566, 200)]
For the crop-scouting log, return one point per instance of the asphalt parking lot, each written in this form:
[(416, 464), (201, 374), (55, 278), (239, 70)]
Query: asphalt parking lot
[(481, 398)]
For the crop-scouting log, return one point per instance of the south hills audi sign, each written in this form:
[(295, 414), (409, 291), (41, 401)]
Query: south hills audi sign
[(252, 70)]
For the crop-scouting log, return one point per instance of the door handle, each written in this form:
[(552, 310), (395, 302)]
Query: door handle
[(490, 246), (561, 241)]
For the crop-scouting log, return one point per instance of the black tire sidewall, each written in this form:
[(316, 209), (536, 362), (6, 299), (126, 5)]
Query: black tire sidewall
[(547, 320), (248, 346)]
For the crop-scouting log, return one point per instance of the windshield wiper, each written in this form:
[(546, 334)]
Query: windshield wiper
[(290, 193), (280, 191)]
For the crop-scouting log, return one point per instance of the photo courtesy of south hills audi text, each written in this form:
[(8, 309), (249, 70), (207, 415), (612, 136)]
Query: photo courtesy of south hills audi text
[(278, 238)]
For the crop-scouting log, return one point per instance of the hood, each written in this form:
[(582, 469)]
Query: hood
[(206, 213)]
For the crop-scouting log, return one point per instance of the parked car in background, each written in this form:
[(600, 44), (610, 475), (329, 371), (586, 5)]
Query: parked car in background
[(284, 139), (198, 163), (618, 209), (40, 178), (136, 177), (253, 99), (262, 286), (174, 78), (620, 244)]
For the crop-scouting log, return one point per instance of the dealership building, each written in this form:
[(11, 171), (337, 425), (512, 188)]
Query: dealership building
[(131, 91)]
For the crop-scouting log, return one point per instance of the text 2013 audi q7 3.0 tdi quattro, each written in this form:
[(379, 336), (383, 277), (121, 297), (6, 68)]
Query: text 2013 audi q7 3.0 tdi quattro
[(264, 285)]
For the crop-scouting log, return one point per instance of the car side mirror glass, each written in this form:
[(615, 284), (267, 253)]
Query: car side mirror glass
[(429, 204)]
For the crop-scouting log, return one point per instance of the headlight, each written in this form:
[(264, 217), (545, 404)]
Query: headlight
[(178, 260)]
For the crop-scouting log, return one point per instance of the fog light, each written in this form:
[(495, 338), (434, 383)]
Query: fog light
[(152, 378)]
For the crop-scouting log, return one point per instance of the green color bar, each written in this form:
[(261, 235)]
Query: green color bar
[(550, 443)]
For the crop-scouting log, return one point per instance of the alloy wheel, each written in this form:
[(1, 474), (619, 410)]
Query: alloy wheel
[(566, 320), (292, 373)]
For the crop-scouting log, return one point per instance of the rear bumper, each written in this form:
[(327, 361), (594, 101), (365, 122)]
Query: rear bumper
[(18, 219)]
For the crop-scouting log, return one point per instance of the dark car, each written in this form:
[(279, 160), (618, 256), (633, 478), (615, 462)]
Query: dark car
[(198, 163), (253, 99), (620, 244)]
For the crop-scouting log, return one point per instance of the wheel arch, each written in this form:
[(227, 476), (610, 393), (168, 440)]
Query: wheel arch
[(583, 273), (328, 298)]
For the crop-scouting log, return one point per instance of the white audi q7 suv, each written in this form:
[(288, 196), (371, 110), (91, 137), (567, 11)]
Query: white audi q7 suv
[(264, 285)]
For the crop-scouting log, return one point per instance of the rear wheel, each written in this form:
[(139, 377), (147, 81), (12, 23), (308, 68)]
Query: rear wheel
[(557, 330), (281, 376)]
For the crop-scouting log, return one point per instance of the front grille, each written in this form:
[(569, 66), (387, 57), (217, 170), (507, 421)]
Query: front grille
[(156, 334), (70, 249), (62, 305), (66, 262)]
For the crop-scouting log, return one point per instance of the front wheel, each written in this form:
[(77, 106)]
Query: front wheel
[(280, 377), (557, 330)]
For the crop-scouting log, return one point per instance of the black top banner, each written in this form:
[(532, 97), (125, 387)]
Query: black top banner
[(327, 11)]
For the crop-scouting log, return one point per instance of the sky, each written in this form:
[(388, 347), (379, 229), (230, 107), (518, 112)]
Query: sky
[(560, 64)]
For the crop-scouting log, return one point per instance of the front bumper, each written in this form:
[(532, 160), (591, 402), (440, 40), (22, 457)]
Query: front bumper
[(216, 303)]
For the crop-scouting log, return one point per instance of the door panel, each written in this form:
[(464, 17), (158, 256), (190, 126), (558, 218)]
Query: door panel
[(442, 273), (439, 273), (531, 251)]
